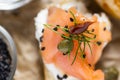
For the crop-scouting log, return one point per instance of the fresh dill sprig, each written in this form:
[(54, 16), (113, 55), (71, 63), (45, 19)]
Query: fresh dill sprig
[(62, 35), (89, 47), (67, 44), (76, 52), (81, 38), (48, 26), (74, 19)]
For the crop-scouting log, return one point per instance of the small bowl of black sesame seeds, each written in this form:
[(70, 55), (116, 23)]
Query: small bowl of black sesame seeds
[(7, 55)]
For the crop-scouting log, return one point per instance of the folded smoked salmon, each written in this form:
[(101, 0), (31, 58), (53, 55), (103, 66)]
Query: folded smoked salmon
[(71, 41)]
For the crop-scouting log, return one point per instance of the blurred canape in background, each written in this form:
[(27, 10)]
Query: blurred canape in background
[(112, 7)]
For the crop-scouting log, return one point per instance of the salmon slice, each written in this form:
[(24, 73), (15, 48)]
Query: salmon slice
[(82, 68)]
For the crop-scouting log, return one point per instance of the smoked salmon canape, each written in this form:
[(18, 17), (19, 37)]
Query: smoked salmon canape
[(71, 41)]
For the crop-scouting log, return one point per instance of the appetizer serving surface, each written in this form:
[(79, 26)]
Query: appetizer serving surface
[(72, 42), (20, 24)]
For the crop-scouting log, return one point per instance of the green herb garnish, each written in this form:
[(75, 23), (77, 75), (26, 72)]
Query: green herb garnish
[(74, 19), (76, 52), (67, 44)]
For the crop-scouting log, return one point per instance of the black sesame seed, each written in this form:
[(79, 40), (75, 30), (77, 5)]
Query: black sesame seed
[(65, 76), (55, 28), (41, 39), (94, 36), (99, 43), (58, 77), (65, 53), (71, 19), (89, 65), (42, 48), (57, 25), (42, 30), (66, 26), (93, 30), (104, 29), (84, 55)]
